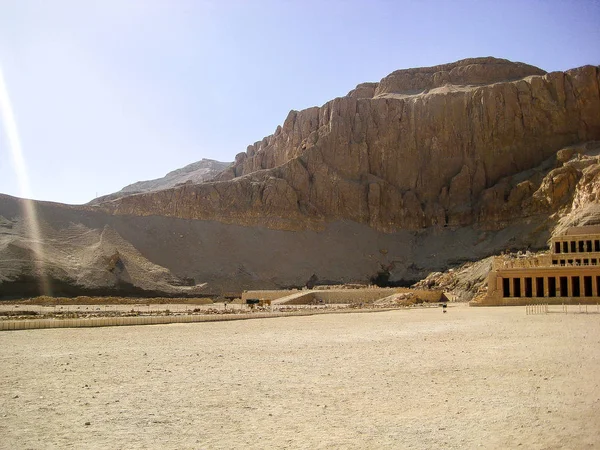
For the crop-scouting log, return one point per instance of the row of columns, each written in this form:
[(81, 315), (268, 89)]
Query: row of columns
[(575, 286), (577, 246)]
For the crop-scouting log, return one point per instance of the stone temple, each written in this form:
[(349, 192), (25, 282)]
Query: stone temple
[(569, 273)]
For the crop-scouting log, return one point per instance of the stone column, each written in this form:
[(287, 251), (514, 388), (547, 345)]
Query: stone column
[(594, 286), (511, 286), (570, 287)]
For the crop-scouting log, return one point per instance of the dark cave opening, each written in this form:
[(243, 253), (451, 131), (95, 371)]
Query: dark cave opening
[(382, 279)]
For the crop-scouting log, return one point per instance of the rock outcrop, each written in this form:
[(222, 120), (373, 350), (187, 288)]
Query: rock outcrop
[(430, 147), (472, 71), (426, 169)]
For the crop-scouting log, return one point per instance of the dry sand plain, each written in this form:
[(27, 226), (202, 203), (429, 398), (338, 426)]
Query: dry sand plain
[(475, 377)]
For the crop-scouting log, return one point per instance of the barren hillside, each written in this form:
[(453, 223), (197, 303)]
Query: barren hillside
[(424, 170), (198, 172)]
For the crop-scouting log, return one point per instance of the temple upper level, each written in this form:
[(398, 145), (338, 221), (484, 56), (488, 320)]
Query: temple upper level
[(578, 246), (577, 240)]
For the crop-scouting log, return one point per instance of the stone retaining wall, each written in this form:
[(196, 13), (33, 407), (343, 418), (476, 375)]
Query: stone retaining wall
[(6, 325)]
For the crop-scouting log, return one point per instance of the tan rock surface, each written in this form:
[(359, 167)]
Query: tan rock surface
[(400, 161)]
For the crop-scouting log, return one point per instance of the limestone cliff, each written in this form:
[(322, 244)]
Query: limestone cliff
[(423, 147)]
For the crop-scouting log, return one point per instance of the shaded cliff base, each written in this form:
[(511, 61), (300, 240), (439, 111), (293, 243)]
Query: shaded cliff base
[(224, 260)]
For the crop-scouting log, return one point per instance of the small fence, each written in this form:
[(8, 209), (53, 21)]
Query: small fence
[(545, 308), (537, 309)]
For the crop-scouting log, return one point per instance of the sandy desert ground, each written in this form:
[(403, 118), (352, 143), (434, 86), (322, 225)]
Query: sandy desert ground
[(472, 378)]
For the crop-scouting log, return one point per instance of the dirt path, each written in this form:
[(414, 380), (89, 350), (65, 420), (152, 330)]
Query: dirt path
[(475, 377)]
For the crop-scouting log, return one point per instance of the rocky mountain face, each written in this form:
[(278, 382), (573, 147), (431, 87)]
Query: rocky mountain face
[(428, 168), (198, 172), (424, 147)]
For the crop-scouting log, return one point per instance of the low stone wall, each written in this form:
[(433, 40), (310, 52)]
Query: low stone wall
[(8, 325)]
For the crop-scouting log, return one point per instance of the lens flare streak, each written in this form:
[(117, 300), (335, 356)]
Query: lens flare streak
[(32, 225)]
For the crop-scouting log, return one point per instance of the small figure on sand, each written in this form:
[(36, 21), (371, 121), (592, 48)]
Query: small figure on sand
[(444, 302)]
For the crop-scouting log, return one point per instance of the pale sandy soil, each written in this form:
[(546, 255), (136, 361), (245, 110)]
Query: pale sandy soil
[(475, 377)]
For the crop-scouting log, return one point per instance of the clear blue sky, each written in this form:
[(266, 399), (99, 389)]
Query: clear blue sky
[(109, 92)]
